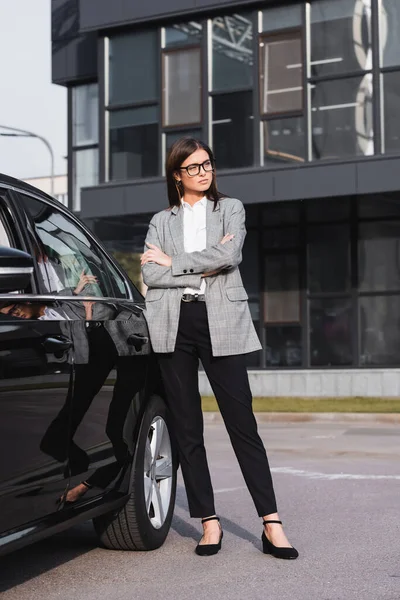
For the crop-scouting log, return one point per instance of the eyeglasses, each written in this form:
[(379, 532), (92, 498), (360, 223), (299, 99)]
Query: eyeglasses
[(193, 170)]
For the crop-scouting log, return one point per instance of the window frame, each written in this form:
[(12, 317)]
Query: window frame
[(76, 148), (263, 38)]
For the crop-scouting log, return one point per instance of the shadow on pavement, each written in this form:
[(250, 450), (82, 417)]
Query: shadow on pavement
[(186, 530), (25, 564)]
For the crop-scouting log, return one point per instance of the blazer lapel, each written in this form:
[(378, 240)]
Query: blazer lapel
[(176, 229), (213, 221)]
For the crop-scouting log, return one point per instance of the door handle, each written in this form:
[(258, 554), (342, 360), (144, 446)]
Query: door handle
[(57, 345)]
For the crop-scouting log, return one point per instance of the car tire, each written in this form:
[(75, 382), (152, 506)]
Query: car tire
[(143, 523)]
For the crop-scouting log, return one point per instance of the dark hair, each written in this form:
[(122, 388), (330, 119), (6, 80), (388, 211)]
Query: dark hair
[(177, 154)]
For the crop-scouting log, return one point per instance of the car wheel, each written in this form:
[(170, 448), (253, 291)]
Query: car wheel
[(143, 523)]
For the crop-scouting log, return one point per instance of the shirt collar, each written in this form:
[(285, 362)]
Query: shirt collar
[(201, 202)]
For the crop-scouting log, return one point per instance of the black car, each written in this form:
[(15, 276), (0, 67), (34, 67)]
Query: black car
[(83, 424)]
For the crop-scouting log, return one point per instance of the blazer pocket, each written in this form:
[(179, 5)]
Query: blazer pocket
[(236, 293), (154, 294)]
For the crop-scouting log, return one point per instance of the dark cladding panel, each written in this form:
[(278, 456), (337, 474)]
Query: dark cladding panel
[(99, 14), (381, 175), (59, 64), (249, 188), (137, 198), (315, 181), (64, 19), (82, 57), (74, 59), (74, 56)]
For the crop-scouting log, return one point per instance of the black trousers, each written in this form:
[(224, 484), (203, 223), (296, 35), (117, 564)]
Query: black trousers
[(229, 381)]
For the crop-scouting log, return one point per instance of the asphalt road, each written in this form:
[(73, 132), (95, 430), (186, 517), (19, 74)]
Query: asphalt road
[(338, 494)]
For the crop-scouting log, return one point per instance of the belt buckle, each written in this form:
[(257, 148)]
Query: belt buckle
[(185, 299)]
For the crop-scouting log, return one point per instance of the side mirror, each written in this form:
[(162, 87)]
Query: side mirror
[(16, 268)]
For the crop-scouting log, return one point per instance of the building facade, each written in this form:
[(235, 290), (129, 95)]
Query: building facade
[(59, 183), (300, 103)]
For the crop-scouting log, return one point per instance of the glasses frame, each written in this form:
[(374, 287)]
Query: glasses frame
[(199, 166)]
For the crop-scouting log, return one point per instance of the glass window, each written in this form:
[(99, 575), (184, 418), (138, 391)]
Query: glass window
[(65, 253), (342, 121), (281, 74), (282, 237), (134, 143), (340, 36), (233, 129), (391, 113), (232, 53), (183, 34), (380, 330), (85, 109), (172, 137), (133, 68), (328, 209), (331, 323), (284, 141), (328, 258), (182, 87), (282, 17), (123, 237), (389, 32), (250, 269), (4, 237), (281, 213), (379, 256), (282, 285), (379, 205), (283, 346), (86, 172)]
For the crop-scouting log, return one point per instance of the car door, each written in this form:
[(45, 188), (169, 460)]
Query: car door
[(111, 350), (35, 379)]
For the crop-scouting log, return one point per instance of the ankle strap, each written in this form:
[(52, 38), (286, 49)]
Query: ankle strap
[(265, 522), (210, 519)]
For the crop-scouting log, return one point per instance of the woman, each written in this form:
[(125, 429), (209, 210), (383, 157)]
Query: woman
[(196, 308)]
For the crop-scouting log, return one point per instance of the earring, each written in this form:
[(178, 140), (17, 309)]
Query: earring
[(178, 185)]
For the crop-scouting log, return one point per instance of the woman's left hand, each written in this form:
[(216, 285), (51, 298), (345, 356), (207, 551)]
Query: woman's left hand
[(156, 255)]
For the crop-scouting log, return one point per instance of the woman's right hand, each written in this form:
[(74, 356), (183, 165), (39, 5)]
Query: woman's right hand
[(227, 238), (84, 280)]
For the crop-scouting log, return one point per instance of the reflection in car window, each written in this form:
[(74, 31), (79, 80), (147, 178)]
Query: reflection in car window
[(68, 260), (4, 239)]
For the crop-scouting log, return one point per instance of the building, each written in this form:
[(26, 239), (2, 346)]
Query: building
[(300, 102), (60, 186)]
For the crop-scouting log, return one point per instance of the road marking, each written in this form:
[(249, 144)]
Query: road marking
[(329, 476), (314, 475)]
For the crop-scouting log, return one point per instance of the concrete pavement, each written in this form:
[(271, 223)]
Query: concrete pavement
[(337, 485)]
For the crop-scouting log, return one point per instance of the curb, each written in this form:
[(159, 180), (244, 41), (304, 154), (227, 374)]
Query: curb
[(303, 417)]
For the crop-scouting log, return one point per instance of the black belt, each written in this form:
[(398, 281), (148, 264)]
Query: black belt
[(193, 298)]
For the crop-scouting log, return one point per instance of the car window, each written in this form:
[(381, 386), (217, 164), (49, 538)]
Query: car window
[(5, 236), (4, 239), (68, 260)]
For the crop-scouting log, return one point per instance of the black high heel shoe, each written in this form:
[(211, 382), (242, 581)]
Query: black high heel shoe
[(209, 549), (287, 553)]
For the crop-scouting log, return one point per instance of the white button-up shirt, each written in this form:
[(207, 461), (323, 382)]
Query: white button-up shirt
[(195, 233)]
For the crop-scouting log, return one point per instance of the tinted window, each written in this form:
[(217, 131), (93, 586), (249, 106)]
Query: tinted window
[(68, 260), (4, 237)]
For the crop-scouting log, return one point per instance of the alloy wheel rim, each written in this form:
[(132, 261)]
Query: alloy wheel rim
[(158, 471)]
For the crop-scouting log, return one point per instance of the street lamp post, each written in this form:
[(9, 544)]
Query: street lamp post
[(24, 133)]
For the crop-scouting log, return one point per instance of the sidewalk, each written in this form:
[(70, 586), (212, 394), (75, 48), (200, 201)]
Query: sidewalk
[(301, 417)]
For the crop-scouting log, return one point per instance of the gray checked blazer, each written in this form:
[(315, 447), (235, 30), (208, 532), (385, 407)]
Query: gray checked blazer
[(231, 327)]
